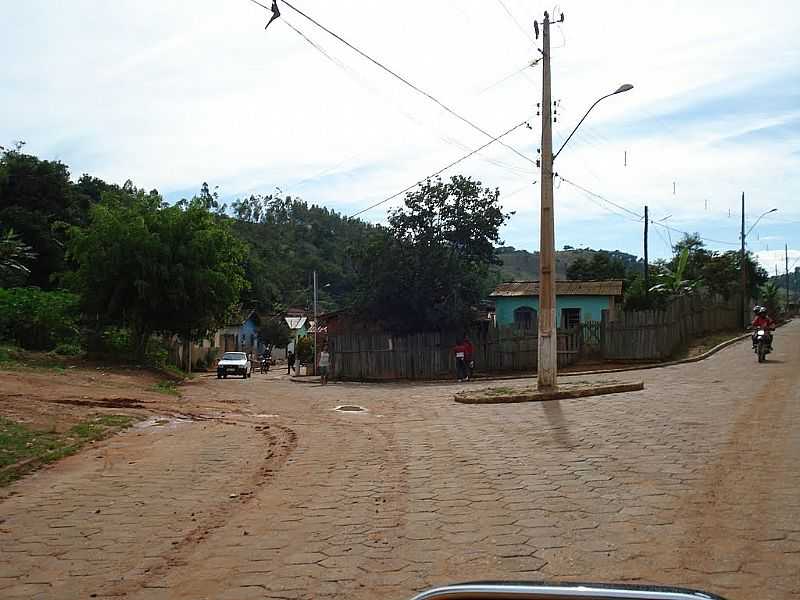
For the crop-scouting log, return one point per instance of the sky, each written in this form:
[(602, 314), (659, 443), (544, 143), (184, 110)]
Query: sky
[(170, 94)]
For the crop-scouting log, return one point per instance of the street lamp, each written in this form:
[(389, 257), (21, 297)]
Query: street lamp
[(548, 333), (743, 265), (625, 87)]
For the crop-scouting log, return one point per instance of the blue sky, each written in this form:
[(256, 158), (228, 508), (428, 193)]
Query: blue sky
[(171, 94)]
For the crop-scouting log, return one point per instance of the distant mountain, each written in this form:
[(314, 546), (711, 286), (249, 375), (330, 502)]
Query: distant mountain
[(521, 265)]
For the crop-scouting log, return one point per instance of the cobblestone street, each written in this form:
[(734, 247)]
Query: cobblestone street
[(695, 482)]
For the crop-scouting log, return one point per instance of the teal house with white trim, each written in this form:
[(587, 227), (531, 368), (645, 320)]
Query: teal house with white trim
[(517, 302)]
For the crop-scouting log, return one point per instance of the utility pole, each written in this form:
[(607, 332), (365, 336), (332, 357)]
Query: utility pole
[(315, 322), (548, 334), (743, 266), (646, 261), (786, 250)]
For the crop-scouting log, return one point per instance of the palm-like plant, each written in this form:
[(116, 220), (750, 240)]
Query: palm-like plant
[(770, 298), (14, 254), (674, 281)]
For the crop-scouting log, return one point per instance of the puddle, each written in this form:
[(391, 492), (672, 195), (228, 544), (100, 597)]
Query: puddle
[(161, 422), (350, 408)]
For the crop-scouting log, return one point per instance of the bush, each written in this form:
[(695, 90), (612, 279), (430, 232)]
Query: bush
[(305, 350), (68, 349), (38, 320)]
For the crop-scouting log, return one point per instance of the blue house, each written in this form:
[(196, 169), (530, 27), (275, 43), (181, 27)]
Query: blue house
[(517, 303)]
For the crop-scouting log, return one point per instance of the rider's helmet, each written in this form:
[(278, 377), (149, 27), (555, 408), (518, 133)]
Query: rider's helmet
[(756, 310), (762, 310)]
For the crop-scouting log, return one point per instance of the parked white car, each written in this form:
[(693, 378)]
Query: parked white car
[(234, 363)]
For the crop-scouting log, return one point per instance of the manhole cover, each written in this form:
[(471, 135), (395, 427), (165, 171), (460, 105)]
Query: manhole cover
[(350, 408)]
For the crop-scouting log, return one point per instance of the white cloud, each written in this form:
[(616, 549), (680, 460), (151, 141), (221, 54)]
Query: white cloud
[(171, 94)]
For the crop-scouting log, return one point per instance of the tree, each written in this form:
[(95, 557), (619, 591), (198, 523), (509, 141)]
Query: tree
[(274, 332), (770, 297), (674, 282), (601, 265), (15, 256), (430, 268), (37, 201), (157, 268)]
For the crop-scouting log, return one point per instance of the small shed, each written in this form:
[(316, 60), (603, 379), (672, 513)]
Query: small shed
[(517, 302)]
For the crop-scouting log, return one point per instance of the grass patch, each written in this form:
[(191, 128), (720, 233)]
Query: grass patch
[(166, 387), (23, 449)]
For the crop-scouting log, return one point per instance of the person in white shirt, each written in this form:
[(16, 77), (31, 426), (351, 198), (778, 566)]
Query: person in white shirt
[(324, 363)]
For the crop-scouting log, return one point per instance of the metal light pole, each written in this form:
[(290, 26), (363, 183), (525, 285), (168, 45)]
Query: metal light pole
[(742, 260), (547, 359), (315, 322)]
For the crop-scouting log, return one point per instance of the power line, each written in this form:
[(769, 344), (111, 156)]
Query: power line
[(603, 198), (640, 217), (516, 22), (440, 171), (399, 78)]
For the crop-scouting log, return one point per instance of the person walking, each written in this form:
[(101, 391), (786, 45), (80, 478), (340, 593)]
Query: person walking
[(460, 351), (290, 358), (324, 364), (469, 357)]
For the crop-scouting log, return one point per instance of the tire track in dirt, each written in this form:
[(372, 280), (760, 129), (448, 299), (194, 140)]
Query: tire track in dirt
[(281, 443)]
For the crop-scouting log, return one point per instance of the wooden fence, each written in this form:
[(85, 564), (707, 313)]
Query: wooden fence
[(430, 355), (656, 334)]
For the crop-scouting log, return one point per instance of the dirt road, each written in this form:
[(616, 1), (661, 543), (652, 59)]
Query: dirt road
[(270, 493)]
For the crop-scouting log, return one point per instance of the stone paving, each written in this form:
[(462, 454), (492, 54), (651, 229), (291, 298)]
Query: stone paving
[(695, 481)]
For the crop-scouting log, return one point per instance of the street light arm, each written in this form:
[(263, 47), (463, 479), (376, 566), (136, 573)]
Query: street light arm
[(579, 123), (625, 87), (758, 219)]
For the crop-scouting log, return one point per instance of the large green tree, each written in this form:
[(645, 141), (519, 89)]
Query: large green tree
[(430, 268), (157, 268), (601, 265)]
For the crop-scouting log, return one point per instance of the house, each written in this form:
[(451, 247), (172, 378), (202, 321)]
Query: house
[(240, 335), (517, 303), (298, 327)]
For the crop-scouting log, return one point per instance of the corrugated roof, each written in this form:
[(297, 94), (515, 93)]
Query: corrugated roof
[(611, 287)]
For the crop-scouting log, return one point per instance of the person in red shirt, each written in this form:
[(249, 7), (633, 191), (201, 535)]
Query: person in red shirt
[(468, 357), (762, 320), (460, 351)]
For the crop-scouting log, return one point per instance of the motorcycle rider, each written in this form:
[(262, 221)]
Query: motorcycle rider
[(266, 356), (762, 320)]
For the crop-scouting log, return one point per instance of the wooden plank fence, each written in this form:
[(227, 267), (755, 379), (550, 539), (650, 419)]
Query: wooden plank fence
[(657, 334), (430, 355)]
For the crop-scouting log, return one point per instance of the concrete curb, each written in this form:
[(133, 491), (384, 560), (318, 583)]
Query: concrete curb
[(582, 392)]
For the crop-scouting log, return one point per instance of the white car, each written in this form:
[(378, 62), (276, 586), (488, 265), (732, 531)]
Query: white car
[(234, 363)]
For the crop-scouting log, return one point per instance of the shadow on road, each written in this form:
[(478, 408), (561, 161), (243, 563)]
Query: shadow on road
[(558, 424)]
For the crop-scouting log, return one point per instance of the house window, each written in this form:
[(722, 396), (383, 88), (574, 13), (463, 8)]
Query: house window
[(525, 317), (570, 317)]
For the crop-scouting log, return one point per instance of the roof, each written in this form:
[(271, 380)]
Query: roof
[(611, 287), (295, 322)]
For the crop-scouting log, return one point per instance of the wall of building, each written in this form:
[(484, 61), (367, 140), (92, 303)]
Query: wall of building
[(591, 306)]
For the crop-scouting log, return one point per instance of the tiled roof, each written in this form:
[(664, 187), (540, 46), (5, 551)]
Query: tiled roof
[(611, 287)]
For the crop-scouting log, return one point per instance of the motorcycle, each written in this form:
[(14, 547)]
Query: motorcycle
[(265, 360), (761, 344)]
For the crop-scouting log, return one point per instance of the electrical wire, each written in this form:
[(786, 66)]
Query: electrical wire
[(516, 22), (603, 198), (399, 78), (440, 171)]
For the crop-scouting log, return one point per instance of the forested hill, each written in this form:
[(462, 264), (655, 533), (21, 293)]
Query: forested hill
[(521, 265)]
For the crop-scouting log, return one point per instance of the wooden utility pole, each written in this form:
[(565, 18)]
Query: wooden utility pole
[(548, 334), (315, 323), (743, 266), (646, 258), (786, 250)]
